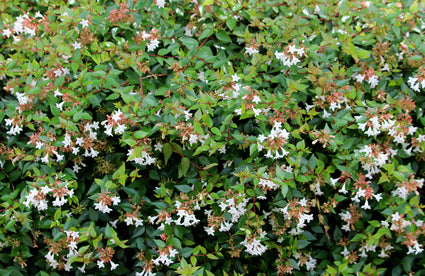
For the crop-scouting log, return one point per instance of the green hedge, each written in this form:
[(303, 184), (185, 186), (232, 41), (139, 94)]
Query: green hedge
[(208, 137)]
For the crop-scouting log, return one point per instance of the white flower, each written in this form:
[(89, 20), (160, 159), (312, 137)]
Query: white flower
[(254, 247), (257, 112), (160, 3), (114, 223), (120, 129), (415, 87), (75, 150), (80, 141), (152, 45), (334, 181), (38, 15), (317, 189), (343, 190), (396, 216), (386, 67), (366, 205), (303, 202), (58, 72), (15, 130), (209, 230), (139, 222), (412, 130), (84, 23), (145, 35), (152, 219), (76, 168), (158, 147), (225, 226), (373, 81), (326, 114), (250, 51), (222, 150), (51, 259), (193, 139), (115, 200), (68, 267), (363, 253), (100, 264), (411, 81), (358, 77), (60, 106), (385, 223), (345, 252), (310, 264), (57, 93), (59, 157), (129, 221), (101, 207), (383, 254), (76, 45), (345, 216), (292, 49), (113, 265), (45, 159), (108, 130), (116, 116), (22, 98), (308, 107), (334, 106), (7, 32)]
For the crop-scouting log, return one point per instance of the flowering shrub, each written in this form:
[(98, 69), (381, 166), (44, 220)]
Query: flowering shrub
[(212, 137)]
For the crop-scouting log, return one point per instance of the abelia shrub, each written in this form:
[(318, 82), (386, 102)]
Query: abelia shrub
[(212, 137)]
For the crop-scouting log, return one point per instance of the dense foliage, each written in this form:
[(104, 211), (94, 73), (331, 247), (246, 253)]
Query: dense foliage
[(209, 137)]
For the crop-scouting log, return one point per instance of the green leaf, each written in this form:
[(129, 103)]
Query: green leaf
[(184, 188), (374, 223), (167, 151), (206, 54), (57, 214), (185, 164), (284, 190), (358, 237), (201, 149), (34, 90), (279, 173), (231, 23), (130, 142), (140, 134), (149, 100), (81, 115), (190, 43), (223, 36), (120, 171), (206, 33), (312, 163), (414, 8), (302, 244), (212, 257), (363, 54), (109, 232)]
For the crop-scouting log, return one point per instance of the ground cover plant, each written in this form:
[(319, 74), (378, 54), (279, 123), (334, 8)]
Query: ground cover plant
[(208, 137)]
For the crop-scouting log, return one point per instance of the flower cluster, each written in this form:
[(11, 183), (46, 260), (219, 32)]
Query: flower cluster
[(104, 200), (37, 196), (274, 142)]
